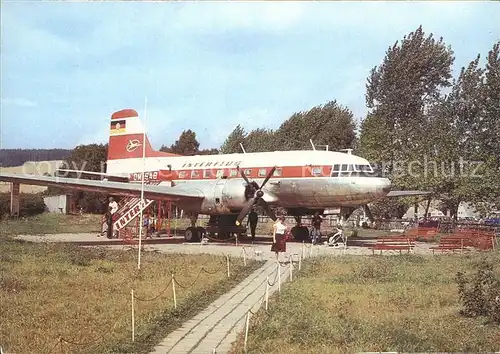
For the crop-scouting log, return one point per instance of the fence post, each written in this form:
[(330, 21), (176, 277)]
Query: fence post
[(228, 273), (267, 293), (133, 319), (173, 290), (303, 245), (244, 257), (246, 331), (311, 251), (291, 267), (300, 262), (279, 278)]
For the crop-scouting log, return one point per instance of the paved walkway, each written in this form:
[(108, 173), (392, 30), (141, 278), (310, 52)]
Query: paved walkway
[(217, 326)]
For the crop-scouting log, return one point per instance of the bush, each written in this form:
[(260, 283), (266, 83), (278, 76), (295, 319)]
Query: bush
[(480, 294), (30, 204)]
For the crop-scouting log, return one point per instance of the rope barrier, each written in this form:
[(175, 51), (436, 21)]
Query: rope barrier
[(223, 241), (61, 340), (194, 282), (156, 297)]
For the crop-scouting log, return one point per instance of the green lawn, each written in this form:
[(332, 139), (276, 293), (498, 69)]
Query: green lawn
[(353, 304), (83, 294)]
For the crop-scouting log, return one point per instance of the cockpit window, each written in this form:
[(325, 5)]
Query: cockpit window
[(348, 170), (335, 170)]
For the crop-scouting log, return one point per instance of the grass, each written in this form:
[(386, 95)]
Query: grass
[(353, 304), (50, 223), (83, 294)]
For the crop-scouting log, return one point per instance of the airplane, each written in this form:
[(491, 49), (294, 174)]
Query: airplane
[(227, 186)]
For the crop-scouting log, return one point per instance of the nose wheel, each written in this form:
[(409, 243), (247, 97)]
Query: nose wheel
[(194, 234)]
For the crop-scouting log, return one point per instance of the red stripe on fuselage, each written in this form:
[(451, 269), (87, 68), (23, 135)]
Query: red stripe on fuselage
[(255, 173)]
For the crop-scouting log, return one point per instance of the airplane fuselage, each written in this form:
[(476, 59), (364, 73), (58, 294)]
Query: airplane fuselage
[(302, 179)]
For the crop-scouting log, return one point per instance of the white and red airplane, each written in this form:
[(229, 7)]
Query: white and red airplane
[(302, 182)]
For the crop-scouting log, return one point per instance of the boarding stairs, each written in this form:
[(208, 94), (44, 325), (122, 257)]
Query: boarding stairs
[(128, 209)]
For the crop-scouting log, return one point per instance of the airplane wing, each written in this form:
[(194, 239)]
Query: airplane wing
[(177, 193), (406, 193)]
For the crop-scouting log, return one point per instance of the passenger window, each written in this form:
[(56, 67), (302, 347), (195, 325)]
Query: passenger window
[(195, 174), (234, 173), (219, 174), (182, 174), (206, 173), (316, 171), (277, 172), (248, 172), (262, 172)]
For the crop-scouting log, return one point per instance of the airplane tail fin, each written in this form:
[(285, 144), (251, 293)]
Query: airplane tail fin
[(127, 136)]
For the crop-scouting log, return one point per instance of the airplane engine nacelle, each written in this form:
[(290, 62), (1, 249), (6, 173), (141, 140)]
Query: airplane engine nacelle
[(224, 197)]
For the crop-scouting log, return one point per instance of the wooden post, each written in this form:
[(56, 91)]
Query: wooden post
[(267, 293), (173, 290), (246, 331), (133, 319), (279, 278), (14, 199), (228, 273)]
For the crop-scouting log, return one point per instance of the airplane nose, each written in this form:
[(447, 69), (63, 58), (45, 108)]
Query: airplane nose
[(386, 185)]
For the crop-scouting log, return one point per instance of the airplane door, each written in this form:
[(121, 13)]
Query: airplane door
[(218, 190)]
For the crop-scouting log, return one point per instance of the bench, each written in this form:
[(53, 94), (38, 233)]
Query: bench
[(425, 232), (394, 243), (451, 243)]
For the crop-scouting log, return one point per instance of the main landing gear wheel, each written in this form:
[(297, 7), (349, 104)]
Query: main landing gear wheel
[(192, 234)]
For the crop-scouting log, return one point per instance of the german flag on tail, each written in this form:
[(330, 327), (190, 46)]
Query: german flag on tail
[(117, 126)]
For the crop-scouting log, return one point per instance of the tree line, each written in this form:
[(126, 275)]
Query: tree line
[(424, 128), (17, 157)]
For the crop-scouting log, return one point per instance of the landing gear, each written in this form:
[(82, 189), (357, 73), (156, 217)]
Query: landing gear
[(221, 227), (191, 234), (194, 233), (299, 232)]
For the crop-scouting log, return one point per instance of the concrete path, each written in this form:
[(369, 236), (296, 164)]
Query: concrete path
[(217, 326)]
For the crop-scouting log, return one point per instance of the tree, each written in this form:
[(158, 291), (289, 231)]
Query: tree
[(329, 124), (91, 158), (212, 151), (260, 140), (232, 144), (404, 87), (187, 144)]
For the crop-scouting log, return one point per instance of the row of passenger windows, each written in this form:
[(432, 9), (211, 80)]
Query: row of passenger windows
[(348, 170), (233, 173)]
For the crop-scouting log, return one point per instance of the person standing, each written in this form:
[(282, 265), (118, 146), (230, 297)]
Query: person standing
[(252, 220), (279, 237), (112, 209), (316, 228)]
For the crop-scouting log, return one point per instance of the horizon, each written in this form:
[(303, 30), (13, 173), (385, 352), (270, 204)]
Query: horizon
[(204, 66)]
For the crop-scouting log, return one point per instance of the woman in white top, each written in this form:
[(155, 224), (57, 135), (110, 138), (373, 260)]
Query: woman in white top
[(279, 236)]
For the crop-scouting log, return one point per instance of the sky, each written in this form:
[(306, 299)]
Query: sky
[(204, 66)]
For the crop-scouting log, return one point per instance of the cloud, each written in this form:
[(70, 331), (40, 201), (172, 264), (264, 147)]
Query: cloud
[(227, 16), (19, 102)]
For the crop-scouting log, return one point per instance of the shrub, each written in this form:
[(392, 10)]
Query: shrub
[(480, 294), (30, 204)]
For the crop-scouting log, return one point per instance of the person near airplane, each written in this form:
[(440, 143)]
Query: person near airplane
[(112, 209), (279, 237), (316, 228), (252, 221)]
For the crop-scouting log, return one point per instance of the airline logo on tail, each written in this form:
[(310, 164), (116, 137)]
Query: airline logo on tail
[(132, 145)]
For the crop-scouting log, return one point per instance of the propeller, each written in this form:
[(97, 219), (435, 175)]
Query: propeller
[(253, 195)]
